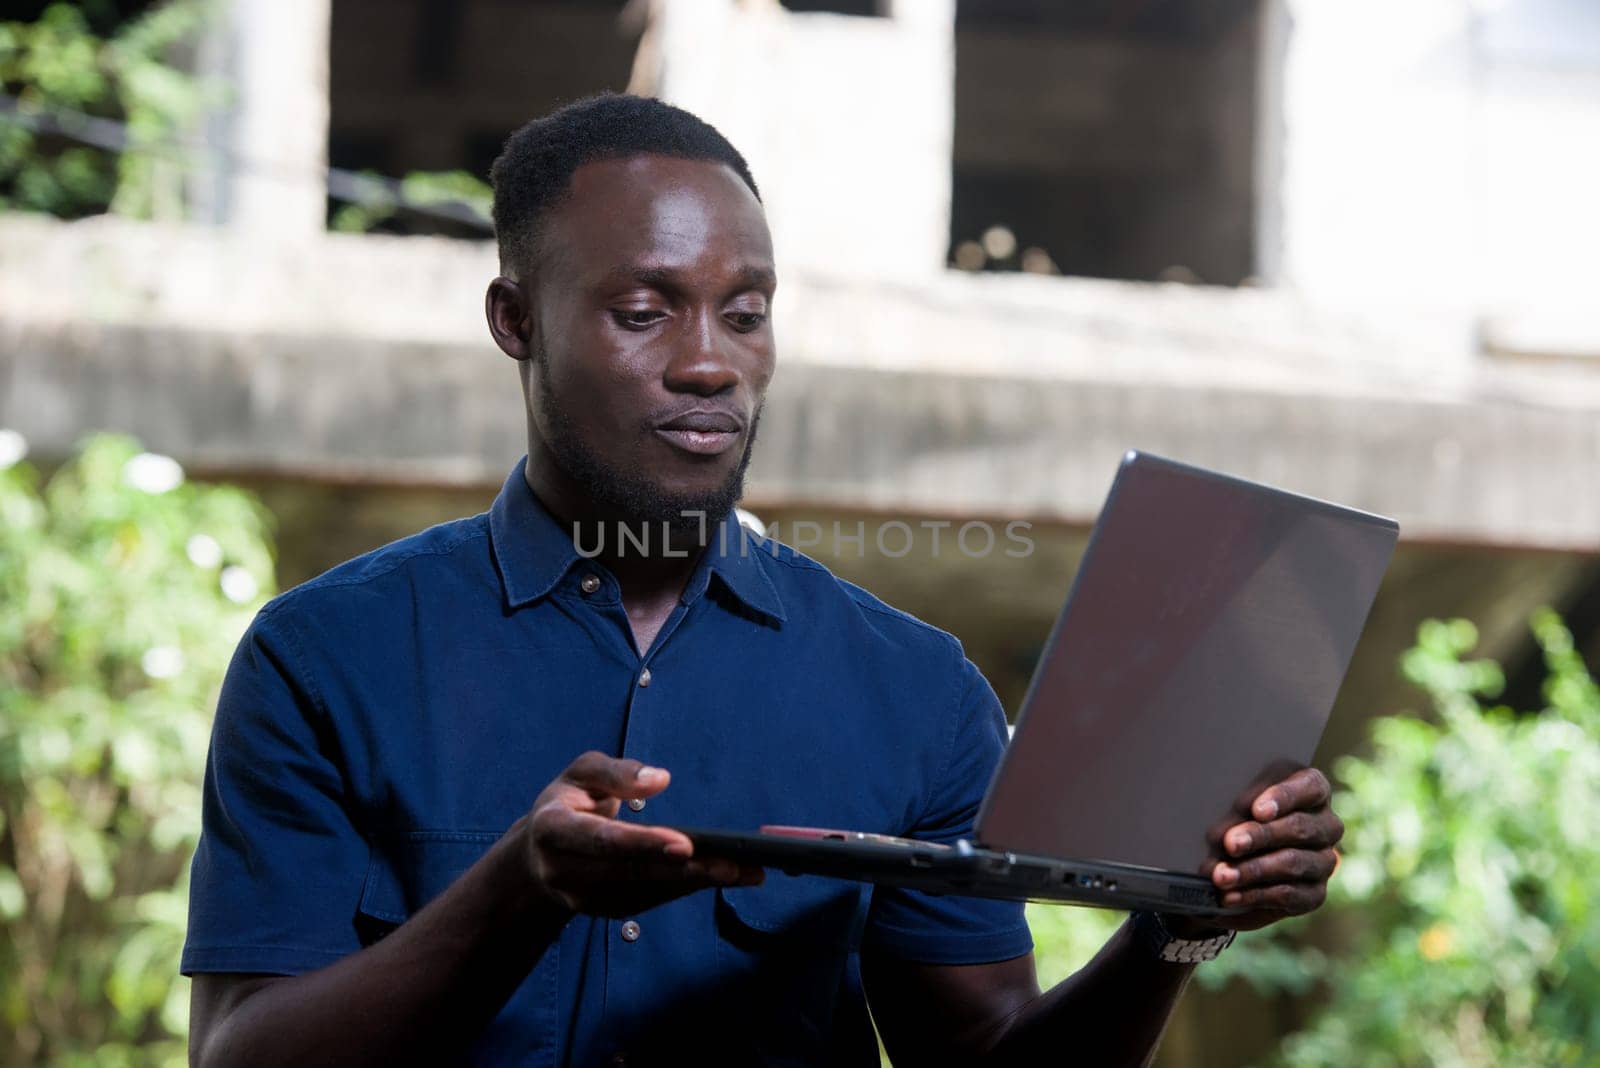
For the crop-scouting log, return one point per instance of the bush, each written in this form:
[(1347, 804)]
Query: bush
[(58, 68), (124, 589), (1471, 870)]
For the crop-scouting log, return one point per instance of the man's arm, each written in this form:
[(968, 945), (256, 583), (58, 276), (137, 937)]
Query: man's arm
[(425, 992), (1112, 1011), (1116, 1007), (422, 992)]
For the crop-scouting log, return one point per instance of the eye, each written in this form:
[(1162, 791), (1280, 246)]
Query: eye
[(637, 319), (746, 321)]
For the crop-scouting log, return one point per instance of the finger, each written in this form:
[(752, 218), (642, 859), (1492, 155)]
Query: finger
[(1306, 789), (605, 776), (1283, 866), (619, 898), (604, 892), (678, 876), (1291, 899), (586, 834), (1297, 830)]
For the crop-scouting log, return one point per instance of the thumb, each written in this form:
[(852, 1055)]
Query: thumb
[(605, 776)]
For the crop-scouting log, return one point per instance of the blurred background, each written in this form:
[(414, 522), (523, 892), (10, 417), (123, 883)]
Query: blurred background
[(1348, 248)]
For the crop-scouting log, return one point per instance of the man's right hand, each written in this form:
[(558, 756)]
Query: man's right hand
[(584, 859), (423, 993)]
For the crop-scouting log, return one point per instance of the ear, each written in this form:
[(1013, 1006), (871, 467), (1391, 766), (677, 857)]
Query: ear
[(509, 310)]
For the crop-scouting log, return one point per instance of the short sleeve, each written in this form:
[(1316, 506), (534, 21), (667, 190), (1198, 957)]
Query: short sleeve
[(944, 929), (279, 868)]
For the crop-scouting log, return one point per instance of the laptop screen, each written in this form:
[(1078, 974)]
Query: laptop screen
[(1195, 662)]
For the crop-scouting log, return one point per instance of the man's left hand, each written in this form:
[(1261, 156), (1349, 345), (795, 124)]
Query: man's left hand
[(1279, 862)]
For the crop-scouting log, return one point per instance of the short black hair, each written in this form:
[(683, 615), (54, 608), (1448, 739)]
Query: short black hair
[(536, 166)]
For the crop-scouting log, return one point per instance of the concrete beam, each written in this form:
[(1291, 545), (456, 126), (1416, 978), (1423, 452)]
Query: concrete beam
[(363, 359)]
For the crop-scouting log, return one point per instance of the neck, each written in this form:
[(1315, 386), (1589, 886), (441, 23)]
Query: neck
[(651, 561)]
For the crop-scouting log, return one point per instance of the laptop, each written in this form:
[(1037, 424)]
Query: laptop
[(1194, 663)]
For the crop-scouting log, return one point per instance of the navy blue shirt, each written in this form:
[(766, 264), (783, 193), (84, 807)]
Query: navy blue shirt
[(383, 724)]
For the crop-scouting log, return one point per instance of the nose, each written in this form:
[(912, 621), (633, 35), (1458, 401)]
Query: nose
[(704, 362)]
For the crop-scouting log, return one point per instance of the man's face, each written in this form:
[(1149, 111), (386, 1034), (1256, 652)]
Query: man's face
[(652, 342)]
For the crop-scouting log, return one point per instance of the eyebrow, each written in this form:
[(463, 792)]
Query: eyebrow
[(668, 278)]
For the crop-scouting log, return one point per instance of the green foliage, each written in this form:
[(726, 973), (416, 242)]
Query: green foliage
[(1466, 895), (124, 590), (58, 63), (418, 189)]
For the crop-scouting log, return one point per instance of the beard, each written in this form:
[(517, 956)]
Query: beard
[(629, 494)]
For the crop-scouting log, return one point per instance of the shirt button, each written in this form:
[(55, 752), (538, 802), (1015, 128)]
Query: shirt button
[(630, 931), (589, 583), (636, 803), (644, 677)]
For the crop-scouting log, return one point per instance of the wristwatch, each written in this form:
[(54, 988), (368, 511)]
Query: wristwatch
[(1153, 932)]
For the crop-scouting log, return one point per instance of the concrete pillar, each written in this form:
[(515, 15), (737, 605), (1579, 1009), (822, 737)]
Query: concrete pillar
[(1273, 27), (1441, 159), (846, 122), (1377, 152), (1537, 166), (271, 176)]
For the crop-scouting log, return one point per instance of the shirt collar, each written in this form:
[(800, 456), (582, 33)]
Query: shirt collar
[(733, 556), (534, 552), (532, 549)]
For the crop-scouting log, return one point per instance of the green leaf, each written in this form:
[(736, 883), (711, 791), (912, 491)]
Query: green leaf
[(13, 901)]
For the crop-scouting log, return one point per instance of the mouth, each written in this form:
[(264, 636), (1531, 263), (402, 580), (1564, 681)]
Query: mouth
[(700, 442), (702, 433)]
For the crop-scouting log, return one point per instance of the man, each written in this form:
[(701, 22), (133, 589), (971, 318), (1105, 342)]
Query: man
[(372, 885)]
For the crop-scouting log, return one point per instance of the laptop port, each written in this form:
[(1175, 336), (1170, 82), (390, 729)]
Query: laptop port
[(1111, 884), (1067, 878), (921, 860)]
